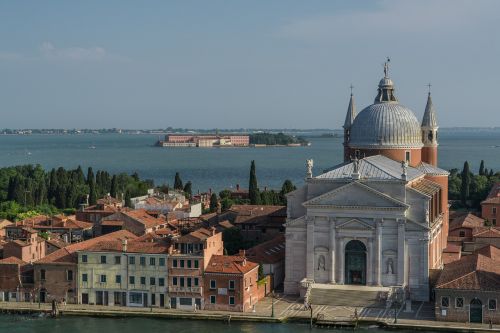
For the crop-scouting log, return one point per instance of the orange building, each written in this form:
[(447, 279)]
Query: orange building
[(490, 207)]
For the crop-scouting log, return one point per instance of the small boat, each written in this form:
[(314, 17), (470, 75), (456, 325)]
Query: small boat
[(92, 147)]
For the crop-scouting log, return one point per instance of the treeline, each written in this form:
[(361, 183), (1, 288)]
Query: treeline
[(469, 189), (275, 139), (32, 187)]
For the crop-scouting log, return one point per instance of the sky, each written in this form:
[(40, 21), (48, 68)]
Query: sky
[(242, 64)]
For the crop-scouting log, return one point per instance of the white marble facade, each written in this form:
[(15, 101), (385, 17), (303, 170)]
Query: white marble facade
[(375, 206)]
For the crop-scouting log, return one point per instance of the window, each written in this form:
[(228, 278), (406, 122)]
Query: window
[(174, 263), (103, 259), (196, 282), (213, 285), (103, 278), (189, 263), (494, 221), (152, 281), (182, 263), (189, 282), (131, 279), (196, 264), (131, 260), (161, 282), (494, 210), (143, 280), (85, 277), (231, 284), (143, 261), (118, 260), (231, 300), (492, 304), (135, 298), (212, 299), (152, 261), (461, 233), (445, 301), (407, 156), (69, 275), (118, 279), (459, 302), (42, 274), (182, 281), (84, 258), (185, 301), (161, 261), (174, 280)]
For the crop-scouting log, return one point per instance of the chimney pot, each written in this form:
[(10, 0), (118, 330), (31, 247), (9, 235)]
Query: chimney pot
[(124, 245), (242, 253)]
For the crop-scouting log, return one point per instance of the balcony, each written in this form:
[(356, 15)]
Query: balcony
[(193, 290)]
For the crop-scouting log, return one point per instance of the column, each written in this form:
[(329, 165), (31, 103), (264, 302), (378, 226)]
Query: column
[(310, 248), (401, 251), (425, 258), (378, 261), (341, 259), (369, 264), (333, 234)]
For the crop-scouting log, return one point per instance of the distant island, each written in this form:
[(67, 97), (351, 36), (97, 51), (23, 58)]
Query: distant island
[(231, 140)]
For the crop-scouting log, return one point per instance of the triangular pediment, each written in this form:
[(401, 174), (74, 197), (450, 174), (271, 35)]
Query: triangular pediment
[(298, 222), (355, 194), (355, 224)]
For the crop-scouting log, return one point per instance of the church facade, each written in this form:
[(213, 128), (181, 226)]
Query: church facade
[(381, 217)]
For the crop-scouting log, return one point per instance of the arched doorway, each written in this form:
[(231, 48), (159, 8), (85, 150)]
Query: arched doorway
[(355, 262), (476, 311)]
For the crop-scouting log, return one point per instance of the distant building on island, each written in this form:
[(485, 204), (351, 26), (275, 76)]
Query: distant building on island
[(183, 140)]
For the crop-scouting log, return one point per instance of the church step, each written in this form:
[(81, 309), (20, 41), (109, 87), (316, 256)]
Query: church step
[(347, 297)]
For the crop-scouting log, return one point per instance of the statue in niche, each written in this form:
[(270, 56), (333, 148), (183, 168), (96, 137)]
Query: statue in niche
[(321, 263), (309, 166), (390, 266)]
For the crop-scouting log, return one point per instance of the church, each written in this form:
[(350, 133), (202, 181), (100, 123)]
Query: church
[(380, 218)]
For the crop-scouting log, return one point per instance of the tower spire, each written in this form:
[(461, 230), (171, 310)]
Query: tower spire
[(429, 132), (349, 120)]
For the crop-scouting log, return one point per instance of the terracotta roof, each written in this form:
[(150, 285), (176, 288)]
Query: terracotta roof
[(494, 195), (12, 260), (56, 242), (4, 223), (141, 216), (269, 252), (453, 248), (229, 265), (467, 220), (133, 246), (108, 200), (256, 214), (478, 271), (112, 222), (225, 224), (68, 253), (486, 232), (197, 235)]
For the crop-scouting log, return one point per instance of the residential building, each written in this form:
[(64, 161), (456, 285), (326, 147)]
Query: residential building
[(124, 273), (4, 223), (103, 207), (490, 207), (188, 258), (55, 275), (468, 290), (28, 247), (271, 255), (137, 221), (230, 283), (16, 280)]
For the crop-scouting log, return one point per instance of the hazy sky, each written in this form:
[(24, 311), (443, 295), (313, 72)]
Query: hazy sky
[(232, 64)]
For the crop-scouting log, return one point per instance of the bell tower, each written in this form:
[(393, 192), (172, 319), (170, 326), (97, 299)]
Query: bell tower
[(429, 133), (349, 119)]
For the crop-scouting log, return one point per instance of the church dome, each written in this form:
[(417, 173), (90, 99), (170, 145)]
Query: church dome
[(386, 125)]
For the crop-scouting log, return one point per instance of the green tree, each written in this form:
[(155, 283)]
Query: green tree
[(287, 187), (213, 203), (92, 187), (261, 272), (188, 190), (253, 190), (481, 168), (128, 201), (466, 181), (178, 182), (226, 203), (114, 187)]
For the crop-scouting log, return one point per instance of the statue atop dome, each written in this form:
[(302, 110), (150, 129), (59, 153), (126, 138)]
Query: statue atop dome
[(386, 67)]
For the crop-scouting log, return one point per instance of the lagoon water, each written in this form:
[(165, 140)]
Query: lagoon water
[(23, 324), (217, 168)]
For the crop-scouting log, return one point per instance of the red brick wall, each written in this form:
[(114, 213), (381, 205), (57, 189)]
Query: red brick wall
[(462, 314), (9, 277), (487, 212), (430, 155), (394, 154), (56, 283)]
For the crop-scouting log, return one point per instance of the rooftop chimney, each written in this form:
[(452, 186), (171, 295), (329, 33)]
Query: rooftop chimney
[(124, 245), (242, 253)]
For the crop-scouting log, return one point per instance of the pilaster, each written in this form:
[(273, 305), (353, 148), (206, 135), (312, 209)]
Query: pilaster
[(310, 248), (333, 235), (401, 251)]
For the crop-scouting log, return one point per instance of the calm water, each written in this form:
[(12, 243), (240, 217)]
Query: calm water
[(216, 168), (21, 324)]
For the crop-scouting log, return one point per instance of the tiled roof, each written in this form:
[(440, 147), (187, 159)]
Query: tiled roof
[(376, 167), (12, 260), (269, 252), (468, 220), (229, 265), (59, 243), (494, 195), (430, 169), (452, 248), (4, 223), (426, 187), (115, 223), (256, 214), (133, 246), (478, 271), (141, 216), (197, 235), (68, 253), (486, 232)]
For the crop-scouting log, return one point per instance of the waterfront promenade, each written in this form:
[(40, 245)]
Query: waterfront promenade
[(285, 309)]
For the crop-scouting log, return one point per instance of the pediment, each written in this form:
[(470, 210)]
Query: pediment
[(355, 224), (298, 222), (355, 194)]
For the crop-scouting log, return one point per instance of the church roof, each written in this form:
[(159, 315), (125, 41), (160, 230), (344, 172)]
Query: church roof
[(429, 120), (430, 169), (376, 167)]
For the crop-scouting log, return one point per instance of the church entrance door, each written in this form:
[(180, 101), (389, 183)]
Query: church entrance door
[(355, 262), (476, 311)]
